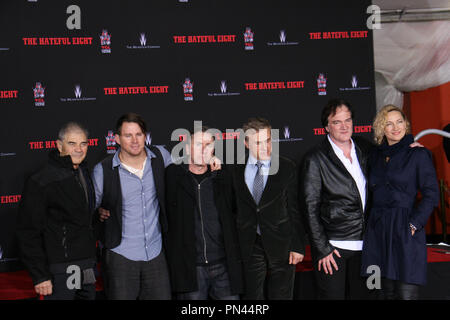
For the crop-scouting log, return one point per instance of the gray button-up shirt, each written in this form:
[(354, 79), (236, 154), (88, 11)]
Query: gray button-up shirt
[(141, 232)]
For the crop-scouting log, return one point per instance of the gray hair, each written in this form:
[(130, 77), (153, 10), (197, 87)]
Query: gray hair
[(70, 127)]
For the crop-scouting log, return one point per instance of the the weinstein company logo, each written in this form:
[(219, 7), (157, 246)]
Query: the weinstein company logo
[(39, 95), (354, 82), (322, 85), (286, 132), (248, 39), (283, 36), (143, 39), (223, 91), (77, 92), (105, 41), (148, 139), (110, 143), (283, 41), (188, 88), (287, 136), (355, 87), (7, 154), (143, 43), (223, 86)]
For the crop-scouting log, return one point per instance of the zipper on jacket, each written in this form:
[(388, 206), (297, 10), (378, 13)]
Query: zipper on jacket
[(201, 221), (64, 244)]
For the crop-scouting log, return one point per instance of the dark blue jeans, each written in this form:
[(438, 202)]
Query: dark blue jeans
[(212, 282)]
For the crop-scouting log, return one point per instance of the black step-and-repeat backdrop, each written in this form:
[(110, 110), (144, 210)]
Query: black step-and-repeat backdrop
[(173, 61)]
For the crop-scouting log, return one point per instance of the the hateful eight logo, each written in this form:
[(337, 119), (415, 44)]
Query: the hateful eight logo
[(105, 42), (248, 39), (188, 88), (39, 95), (111, 143), (322, 85)]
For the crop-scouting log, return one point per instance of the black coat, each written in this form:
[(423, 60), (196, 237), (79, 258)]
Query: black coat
[(330, 197), (388, 242), (55, 221), (277, 213), (181, 243)]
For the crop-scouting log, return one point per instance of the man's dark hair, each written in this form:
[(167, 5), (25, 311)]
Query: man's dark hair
[(256, 124), (71, 126), (330, 109), (131, 117)]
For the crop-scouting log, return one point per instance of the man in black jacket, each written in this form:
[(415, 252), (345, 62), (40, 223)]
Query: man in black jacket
[(203, 253), (271, 234), (54, 230), (334, 197)]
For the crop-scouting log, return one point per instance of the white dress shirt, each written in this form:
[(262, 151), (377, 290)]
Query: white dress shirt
[(355, 171)]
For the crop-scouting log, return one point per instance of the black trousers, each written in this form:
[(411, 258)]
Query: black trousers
[(397, 290), (273, 280), (61, 291), (61, 282), (344, 283), (131, 280)]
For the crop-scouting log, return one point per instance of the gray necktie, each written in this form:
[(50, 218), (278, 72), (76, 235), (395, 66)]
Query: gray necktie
[(258, 183), (258, 188)]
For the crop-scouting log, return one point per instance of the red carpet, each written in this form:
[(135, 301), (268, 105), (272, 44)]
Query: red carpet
[(18, 285)]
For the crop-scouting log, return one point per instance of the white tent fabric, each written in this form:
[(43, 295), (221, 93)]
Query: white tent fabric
[(410, 56)]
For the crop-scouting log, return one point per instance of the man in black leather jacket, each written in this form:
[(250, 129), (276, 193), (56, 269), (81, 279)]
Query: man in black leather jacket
[(334, 197), (54, 229)]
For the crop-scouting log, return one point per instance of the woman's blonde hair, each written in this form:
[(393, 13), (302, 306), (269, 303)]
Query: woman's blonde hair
[(380, 122)]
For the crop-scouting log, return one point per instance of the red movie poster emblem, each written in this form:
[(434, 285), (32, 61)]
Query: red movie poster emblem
[(322, 85), (39, 93), (248, 39), (188, 88), (105, 42), (110, 142)]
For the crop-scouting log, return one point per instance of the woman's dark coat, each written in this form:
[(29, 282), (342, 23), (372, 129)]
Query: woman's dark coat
[(396, 174)]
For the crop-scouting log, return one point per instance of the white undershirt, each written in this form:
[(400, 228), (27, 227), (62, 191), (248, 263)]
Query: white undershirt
[(138, 172), (355, 171)]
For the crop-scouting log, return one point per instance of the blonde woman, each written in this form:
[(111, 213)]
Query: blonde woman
[(395, 237)]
